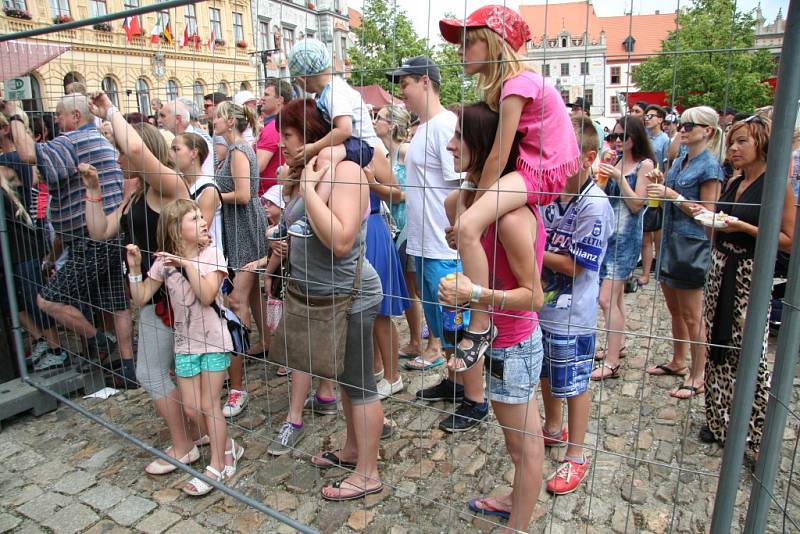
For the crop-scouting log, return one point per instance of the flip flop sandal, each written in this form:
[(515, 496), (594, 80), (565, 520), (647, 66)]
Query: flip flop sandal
[(420, 364), (407, 355), (160, 467), (614, 372), (693, 390), (359, 495), (331, 460), (600, 355), (667, 371), (200, 487), (480, 344), (487, 509)]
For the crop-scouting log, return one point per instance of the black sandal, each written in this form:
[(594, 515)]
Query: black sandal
[(480, 344)]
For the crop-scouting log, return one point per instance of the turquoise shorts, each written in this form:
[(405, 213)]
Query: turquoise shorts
[(189, 365)]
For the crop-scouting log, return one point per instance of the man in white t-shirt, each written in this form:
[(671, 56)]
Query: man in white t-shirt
[(429, 178), (174, 117)]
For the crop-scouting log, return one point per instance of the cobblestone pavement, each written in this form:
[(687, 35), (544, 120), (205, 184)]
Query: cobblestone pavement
[(63, 473)]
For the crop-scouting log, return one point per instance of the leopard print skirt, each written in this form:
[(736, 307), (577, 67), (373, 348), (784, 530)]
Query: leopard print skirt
[(720, 378)]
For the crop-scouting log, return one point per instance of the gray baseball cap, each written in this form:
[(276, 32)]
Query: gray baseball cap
[(419, 65)]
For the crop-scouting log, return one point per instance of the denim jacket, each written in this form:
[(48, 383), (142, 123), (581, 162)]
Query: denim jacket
[(687, 182)]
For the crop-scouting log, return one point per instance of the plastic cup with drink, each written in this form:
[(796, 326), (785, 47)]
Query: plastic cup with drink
[(608, 157), (654, 202)]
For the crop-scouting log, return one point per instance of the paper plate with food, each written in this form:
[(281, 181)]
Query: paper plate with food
[(714, 219)]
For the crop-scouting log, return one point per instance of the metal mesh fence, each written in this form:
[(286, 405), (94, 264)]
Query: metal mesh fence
[(649, 471)]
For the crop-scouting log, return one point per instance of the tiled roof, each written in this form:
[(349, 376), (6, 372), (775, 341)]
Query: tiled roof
[(579, 17), (355, 17)]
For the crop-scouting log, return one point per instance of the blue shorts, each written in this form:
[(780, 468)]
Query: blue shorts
[(429, 273), (358, 151), (568, 363), (522, 365)]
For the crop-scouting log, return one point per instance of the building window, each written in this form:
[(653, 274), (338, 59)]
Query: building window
[(614, 104), (310, 34), (59, 7), (343, 44), (584, 68), (238, 27), (263, 34), (216, 22), (546, 70), (172, 90), (629, 43), (632, 72), (565, 69), (98, 7), (222, 87), (109, 87), (588, 96), (143, 96), (190, 16), (130, 4), (197, 94), (288, 39), (15, 4), (72, 77), (565, 95), (563, 42), (616, 75)]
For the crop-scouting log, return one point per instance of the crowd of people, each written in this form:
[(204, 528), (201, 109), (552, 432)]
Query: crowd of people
[(502, 228)]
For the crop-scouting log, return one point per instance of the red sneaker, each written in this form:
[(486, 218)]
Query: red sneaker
[(560, 441), (568, 477)]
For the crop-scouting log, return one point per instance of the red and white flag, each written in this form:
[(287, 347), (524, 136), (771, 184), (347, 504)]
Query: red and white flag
[(132, 27), (211, 41), (185, 36)]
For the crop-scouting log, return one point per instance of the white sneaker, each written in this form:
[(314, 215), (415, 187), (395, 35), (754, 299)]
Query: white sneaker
[(385, 389), (237, 400), (51, 361), (37, 351)]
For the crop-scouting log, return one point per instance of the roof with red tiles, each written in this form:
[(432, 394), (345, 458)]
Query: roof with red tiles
[(355, 17)]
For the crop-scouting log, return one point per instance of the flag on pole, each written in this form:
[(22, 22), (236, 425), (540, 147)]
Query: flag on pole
[(197, 42), (166, 33), (155, 33), (132, 27), (185, 36), (211, 41)]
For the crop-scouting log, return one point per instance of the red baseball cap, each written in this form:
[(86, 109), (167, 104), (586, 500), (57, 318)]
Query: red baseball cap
[(504, 21)]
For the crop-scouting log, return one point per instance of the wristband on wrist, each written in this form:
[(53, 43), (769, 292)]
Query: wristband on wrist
[(94, 199), (503, 300), (110, 112), (680, 198), (475, 293), (134, 278)]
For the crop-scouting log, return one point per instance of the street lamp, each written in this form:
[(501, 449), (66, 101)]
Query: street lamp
[(263, 57)]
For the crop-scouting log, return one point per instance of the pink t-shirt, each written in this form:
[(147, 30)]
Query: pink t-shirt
[(548, 150), (198, 329), (513, 326), (269, 140)]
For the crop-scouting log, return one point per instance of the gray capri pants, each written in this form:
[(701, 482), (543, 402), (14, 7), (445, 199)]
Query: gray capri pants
[(155, 355), (357, 379)]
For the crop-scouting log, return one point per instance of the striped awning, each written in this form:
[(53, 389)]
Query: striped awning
[(18, 58)]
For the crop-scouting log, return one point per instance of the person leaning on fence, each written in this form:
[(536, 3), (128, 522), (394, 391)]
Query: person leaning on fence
[(145, 158), (489, 41), (91, 279), (244, 226), (626, 189), (190, 268), (694, 179), (578, 226), (730, 276), (515, 293), (331, 254)]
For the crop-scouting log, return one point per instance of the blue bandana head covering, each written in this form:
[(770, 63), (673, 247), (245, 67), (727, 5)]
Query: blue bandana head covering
[(309, 57)]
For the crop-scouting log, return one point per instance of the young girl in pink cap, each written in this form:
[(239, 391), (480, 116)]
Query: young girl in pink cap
[(548, 152)]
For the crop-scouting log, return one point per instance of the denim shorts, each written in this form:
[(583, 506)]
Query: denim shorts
[(567, 363), (189, 365), (522, 365), (358, 151)]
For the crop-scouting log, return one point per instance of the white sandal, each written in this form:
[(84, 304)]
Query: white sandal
[(230, 470), (161, 467), (200, 487)]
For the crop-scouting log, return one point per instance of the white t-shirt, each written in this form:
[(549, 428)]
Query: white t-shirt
[(429, 179), (215, 228), (208, 165), (338, 99)]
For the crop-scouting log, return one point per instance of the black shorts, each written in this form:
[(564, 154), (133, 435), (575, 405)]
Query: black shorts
[(358, 151)]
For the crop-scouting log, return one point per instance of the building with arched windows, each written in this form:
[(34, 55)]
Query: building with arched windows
[(134, 71)]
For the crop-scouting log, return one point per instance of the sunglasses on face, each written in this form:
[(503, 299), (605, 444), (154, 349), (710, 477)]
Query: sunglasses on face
[(611, 138), (689, 126), (650, 116)]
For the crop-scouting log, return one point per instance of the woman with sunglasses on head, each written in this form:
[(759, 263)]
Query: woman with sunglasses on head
[(694, 179), (730, 275), (626, 189)]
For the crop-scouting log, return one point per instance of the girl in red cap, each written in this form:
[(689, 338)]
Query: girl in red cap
[(531, 110)]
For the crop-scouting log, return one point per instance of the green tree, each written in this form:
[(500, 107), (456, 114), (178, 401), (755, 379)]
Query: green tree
[(694, 70), (385, 38), (455, 87)]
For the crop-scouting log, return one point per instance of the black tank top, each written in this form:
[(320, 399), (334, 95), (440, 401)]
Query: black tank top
[(140, 223)]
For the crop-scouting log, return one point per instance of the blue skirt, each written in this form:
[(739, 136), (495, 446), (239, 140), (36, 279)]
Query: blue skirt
[(383, 257)]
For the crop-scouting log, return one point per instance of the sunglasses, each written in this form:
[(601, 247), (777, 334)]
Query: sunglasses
[(208, 106), (758, 119), (650, 116), (614, 137), (689, 126)]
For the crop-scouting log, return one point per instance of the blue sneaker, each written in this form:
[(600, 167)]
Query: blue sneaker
[(301, 228)]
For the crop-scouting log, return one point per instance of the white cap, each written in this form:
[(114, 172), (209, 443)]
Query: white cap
[(243, 97), (275, 195)]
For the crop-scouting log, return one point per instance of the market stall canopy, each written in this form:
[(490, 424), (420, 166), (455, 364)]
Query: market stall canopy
[(376, 96), (18, 58)]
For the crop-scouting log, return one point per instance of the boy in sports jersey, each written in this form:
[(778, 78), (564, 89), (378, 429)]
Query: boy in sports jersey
[(578, 225)]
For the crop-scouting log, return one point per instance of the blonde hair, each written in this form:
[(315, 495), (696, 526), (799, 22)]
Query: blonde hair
[(400, 121), (20, 212), (157, 145), (169, 237), (241, 115), (503, 63), (707, 116)]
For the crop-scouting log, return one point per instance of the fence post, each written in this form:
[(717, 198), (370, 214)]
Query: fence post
[(785, 110), (789, 337)]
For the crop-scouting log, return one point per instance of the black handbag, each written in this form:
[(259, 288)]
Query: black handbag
[(685, 258)]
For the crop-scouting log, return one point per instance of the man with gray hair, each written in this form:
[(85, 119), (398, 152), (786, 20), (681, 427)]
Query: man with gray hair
[(91, 279), (174, 117)]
